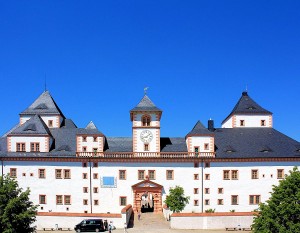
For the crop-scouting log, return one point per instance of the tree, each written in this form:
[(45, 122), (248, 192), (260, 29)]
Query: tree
[(281, 213), (17, 213), (176, 201)]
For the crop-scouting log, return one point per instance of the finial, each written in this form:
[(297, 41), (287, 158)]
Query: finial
[(145, 90), (246, 88)]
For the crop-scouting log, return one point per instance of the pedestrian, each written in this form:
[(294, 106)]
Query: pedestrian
[(105, 225), (139, 215), (110, 227), (125, 228)]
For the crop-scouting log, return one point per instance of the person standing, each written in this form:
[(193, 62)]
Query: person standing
[(139, 215), (125, 228)]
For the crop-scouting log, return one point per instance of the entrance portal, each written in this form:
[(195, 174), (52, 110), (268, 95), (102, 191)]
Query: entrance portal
[(147, 202), (147, 197)]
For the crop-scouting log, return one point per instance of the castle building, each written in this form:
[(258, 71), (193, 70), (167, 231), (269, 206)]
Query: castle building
[(81, 170)]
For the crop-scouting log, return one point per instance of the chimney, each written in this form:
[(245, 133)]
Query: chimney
[(211, 125)]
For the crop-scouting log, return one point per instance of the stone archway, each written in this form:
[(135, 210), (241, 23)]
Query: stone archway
[(153, 191)]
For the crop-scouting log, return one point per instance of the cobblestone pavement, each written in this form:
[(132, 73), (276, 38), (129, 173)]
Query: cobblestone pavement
[(150, 223)]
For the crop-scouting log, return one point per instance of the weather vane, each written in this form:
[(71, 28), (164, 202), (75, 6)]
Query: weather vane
[(145, 90)]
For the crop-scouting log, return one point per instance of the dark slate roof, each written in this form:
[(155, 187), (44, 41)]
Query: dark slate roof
[(145, 105), (173, 145), (44, 104), (246, 105), (119, 144), (35, 125), (199, 129), (254, 143)]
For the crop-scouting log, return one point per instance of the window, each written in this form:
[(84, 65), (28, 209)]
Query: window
[(196, 190), (84, 138), (21, 147), (50, 123), (280, 173), (226, 175), (196, 202), (58, 174), (96, 202), (170, 175), (196, 149), (206, 202), (262, 123), (95, 164), (196, 176), (234, 175), (84, 176), (42, 173), (141, 174), (85, 189), (84, 164), (146, 119), (42, 199), (146, 147), (31, 174), (67, 174), (123, 201), (122, 174), (84, 149), (220, 202), (67, 199), (206, 190), (207, 165), (234, 199), (35, 147), (95, 189), (85, 201), (254, 174), (95, 175), (207, 176), (23, 174), (59, 199), (151, 174), (95, 139), (206, 146), (13, 172), (196, 165), (242, 123), (254, 199), (220, 190), (95, 150)]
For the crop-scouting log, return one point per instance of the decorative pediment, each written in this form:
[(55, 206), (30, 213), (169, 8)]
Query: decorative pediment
[(147, 184)]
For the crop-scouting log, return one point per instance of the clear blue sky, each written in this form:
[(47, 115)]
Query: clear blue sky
[(196, 57)]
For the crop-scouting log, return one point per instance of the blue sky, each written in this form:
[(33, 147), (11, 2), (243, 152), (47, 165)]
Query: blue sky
[(196, 57)]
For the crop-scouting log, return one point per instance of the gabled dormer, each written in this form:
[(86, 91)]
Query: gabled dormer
[(89, 141), (247, 113), (200, 139), (32, 136), (145, 119), (45, 107)]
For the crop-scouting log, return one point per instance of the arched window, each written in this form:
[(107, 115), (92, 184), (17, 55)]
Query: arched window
[(146, 119)]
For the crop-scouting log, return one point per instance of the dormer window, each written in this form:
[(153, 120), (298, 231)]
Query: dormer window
[(146, 119), (196, 149), (84, 138), (34, 147), (265, 149), (262, 123), (95, 139), (50, 123), (242, 122), (21, 147)]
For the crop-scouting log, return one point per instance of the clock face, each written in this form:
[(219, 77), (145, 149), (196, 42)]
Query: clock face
[(146, 136)]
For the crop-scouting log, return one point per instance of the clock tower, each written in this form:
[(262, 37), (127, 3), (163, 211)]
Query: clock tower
[(145, 119)]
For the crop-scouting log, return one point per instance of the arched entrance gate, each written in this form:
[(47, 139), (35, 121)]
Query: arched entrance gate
[(147, 194)]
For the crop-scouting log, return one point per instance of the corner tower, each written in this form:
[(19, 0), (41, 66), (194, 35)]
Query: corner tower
[(145, 119)]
